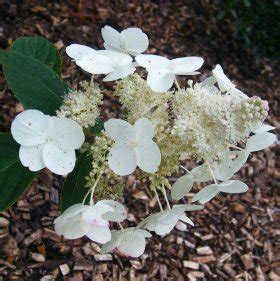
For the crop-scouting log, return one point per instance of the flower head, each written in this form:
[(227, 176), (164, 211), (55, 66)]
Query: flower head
[(130, 41), (162, 71), (47, 141), (130, 242), (163, 222), (134, 146)]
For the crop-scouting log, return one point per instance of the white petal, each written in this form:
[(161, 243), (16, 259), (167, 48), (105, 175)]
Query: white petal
[(163, 229), (113, 243), (208, 82), (113, 39), (31, 127), (233, 186), (96, 63), (60, 162), (148, 156), (144, 128), (32, 157), (99, 234), (186, 65), (201, 173), (122, 159), (224, 170), (260, 141), (133, 244), (93, 217), (119, 130), (136, 41), (264, 128), (77, 51), (181, 187), (160, 82), (206, 194), (186, 219), (120, 73), (72, 211), (144, 233), (240, 160), (189, 207), (153, 62), (223, 82), (118, 214)]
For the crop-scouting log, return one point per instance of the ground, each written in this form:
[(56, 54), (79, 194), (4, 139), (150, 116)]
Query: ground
[(235, 237)]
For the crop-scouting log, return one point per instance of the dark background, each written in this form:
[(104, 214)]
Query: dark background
[(241, 231)]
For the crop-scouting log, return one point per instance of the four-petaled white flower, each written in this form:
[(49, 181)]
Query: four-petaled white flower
[(162, 71), (91, 221), (163, 222), (130, 242), (210, 191), (184, 184), (131, 41), (225, 85), (134, 146), (47, 141)]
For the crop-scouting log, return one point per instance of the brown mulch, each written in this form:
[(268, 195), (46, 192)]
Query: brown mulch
[(235, 237)]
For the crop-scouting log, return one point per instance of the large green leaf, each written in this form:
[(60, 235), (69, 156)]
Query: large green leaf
[(33, 83), (8, 151), (13, 182), (74, 190), (41, 49)]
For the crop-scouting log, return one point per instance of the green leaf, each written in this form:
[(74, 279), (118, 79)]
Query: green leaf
[(8, 151), (13, 182), (33, 83), (41, 49), (98, 127), (74, 190)]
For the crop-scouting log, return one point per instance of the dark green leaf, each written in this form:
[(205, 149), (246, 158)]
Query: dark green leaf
[(13, 182), (74, 190), (41, 49), (98, 127), (33, 83), (8, 151)]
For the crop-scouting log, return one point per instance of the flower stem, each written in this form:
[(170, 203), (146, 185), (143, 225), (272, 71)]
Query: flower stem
[(185, 169), (212, 175), (121, 227), (236, 147), (177, 84), (160, 206), (93, 189), (165, 197)]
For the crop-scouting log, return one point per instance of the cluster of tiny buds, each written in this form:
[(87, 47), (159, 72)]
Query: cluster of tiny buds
[(255, 107)]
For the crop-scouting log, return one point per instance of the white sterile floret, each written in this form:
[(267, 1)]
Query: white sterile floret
[(130, 41), (77, 51), (130, 242), (162, 71), (210, 191), (115, 65), (134, 146), (225, 85), (47, 141), (163, 222), (184, 184), (91, 221)]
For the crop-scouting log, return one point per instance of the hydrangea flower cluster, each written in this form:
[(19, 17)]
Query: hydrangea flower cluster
[(161, 128)]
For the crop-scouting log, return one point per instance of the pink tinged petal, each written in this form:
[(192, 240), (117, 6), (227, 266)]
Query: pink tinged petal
[(206, 194), (32, 157), (153, 62), (58, 161), (233, 186), (260, 141), (113, 39), (119, 130), (122, 159), (132, 244), (136, 41), (113, 243), (160, 82), (118, 212), (93, 217), (120, 73), (67, 133), (148, 156), (96, 64), (186, 65), (144, 128), (31, 127), (99, 234), (181, 187), (77, 51)]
